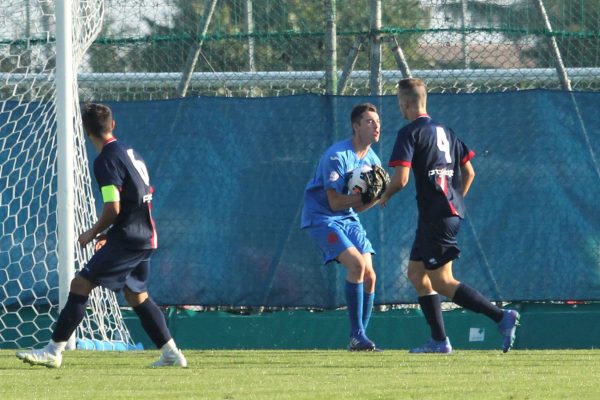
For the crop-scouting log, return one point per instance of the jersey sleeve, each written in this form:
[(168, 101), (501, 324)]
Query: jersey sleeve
[(108, 172), (464, 153), (403, 150), (334, 173)]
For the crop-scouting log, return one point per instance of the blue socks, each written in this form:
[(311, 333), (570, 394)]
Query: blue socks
[(360, 306), (153, 322), (70, 317), (354, 301), (368, 299)]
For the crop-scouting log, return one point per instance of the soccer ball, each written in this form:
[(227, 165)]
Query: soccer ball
[(356, 180)]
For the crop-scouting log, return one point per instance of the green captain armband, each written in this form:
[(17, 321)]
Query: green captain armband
[(110, 193)]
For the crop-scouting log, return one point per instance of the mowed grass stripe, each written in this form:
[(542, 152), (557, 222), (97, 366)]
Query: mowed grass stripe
[(291, 374)]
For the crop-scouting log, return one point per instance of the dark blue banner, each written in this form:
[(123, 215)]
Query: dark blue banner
[(229, 175)]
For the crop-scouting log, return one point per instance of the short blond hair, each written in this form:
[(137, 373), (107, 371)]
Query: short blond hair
[(413, 89)]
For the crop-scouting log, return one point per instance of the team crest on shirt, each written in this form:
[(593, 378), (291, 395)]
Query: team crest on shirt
[(334, 176)]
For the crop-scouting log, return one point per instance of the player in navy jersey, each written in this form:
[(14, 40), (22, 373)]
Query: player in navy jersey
[(443, 175), (123, 262), (330, 217)]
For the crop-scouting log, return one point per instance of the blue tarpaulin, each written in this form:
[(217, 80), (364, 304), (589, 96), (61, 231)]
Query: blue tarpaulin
[(229, 175)]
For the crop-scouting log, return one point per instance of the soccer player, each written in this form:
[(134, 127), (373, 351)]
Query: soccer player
[(443, 174), (123, 262), (330, 217)]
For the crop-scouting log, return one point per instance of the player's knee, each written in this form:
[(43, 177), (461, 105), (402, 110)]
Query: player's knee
[(370, 276), (445, 287), (81, 286), (417, 278), (369, 281), (356, 271), (360, 266), (134, 299)]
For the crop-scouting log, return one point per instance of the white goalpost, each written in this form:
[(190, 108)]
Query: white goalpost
[(46, 195), (64, 152)]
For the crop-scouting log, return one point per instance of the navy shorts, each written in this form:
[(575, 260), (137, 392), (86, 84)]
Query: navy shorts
[(114, 268), (339, 235), (435, 242)]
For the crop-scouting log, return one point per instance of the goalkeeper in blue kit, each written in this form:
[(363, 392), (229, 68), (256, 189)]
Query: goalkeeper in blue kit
[(329, 215), (443, 173), (123, 262)]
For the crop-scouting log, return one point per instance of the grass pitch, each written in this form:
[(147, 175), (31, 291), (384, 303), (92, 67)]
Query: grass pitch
[(290, 374)]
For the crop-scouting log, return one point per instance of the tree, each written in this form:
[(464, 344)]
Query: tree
[(574, 24), (288, 36)]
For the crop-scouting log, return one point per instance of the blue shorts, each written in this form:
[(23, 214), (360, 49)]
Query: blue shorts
[(114, 268), (435, 242), (339, 235)]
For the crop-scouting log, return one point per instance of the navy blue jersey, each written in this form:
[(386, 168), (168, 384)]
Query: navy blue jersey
[(123, 167), (435, 155)]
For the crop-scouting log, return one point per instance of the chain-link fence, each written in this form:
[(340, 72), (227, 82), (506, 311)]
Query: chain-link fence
[(164, 49), (156, 49)]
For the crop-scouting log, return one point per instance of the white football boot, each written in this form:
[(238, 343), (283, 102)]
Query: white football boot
[(171, 358), (41, 357)]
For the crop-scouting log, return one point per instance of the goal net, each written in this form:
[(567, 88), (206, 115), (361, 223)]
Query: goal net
[(29, 244)]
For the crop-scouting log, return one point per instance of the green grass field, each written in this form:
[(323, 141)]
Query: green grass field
[(290, 374)]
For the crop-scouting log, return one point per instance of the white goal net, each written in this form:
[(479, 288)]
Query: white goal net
[(29, 244)]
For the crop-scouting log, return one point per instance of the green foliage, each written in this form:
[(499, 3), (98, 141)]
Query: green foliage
[(574, 24), (288, 36)]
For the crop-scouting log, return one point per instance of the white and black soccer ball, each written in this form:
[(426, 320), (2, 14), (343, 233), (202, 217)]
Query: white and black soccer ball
[(356, 180)]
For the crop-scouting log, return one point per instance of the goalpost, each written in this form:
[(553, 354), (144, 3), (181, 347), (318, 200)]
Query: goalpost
[(46, 195)]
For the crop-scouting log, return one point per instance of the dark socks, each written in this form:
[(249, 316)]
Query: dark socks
[(431, 306), (471, 299), (368, 299), (354, 302), (70, 317), (153, 322)]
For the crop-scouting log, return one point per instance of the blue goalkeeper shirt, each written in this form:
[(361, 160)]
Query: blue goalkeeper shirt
[(337, 161)]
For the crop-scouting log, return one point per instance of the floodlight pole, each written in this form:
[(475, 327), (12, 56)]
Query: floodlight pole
[(65, 156)]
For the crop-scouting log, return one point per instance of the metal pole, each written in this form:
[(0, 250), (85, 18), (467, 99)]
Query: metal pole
[(566, 85), (375, 78), (466, 56), (65, 112), (560, 66), (190, 64), (249, 31), (330, 47), (350, 62), (400, 59)]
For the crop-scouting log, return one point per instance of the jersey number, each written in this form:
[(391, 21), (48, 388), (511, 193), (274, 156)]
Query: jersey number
[(141, 167), (443, 144)]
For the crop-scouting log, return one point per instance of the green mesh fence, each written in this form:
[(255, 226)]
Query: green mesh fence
[(148, 48), (156, 49)]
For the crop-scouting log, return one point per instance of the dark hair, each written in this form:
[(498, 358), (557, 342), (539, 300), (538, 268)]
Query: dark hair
[(97, 119), (358, 111)]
